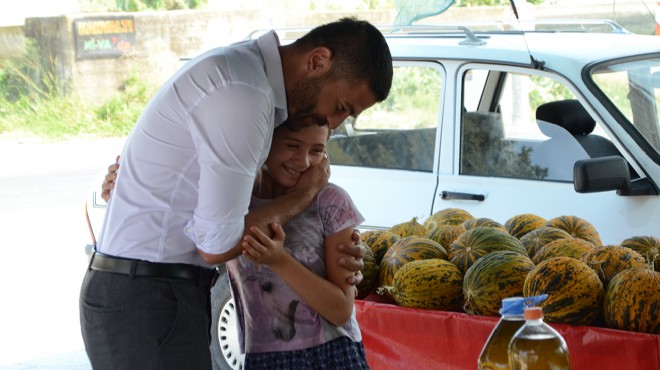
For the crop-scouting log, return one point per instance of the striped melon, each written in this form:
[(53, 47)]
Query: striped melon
[(445, 234), (431, 284), (493, 277), (479, 241), (482, 222), (567, 247), (648, 246), (575, 292), (521, 224), (369, 274), (632, 301), (609, 260), (406, 250), (577, 227), (368, 235), (537, 239), (380, 241), (449, 216), (410, 228)]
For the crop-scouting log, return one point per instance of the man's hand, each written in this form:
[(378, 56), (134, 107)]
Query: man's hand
[(353, 258), (109, 180), (314, 178)]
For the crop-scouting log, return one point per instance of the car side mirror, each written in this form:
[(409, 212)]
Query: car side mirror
[(601, 174), (609, 173)]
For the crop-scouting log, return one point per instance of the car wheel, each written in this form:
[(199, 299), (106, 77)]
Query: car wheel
[(225, 349)]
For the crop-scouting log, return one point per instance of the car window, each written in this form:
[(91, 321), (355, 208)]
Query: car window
[(398, 133), (633, 86), (524, 126)]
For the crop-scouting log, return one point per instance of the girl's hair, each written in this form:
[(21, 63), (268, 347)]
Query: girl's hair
[(295, 128), (360, 53)]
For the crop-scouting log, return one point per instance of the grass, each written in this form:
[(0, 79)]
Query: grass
[(34, 103), (62, 117)]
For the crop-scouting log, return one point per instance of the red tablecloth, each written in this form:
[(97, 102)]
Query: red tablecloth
[(406, 338)]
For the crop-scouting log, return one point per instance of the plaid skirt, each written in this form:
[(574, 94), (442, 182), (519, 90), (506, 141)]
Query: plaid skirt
[(341, 353)]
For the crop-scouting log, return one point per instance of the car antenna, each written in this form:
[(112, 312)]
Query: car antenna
[(536, 64)]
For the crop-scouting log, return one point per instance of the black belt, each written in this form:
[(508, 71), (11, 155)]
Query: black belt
[(133, 268)]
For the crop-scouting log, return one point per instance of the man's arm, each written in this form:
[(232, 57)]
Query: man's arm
[(280, 210)]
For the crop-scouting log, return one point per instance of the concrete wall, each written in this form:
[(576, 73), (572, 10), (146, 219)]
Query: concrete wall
[(12, 40), (163, 38)]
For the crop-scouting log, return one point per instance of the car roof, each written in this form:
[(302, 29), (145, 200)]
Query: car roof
[(515, 47)]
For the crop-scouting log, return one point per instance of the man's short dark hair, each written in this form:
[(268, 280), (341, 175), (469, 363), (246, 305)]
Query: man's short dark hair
[(360, 52)]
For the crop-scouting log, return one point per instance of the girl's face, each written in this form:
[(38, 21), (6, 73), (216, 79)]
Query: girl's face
[(292, 153)]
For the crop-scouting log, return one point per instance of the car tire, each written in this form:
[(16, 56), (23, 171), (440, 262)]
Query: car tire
[(225, 348)]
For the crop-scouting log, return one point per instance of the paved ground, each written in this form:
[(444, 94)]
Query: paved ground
[(65, 361), (43, 187)]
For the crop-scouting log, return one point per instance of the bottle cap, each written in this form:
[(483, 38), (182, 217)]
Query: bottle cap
[(517, 305), (513, 306), (533, 313)]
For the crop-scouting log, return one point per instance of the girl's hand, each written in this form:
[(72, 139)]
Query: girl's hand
[(260, 248), (109, 180)]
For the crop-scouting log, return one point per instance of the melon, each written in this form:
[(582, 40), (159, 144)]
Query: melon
[(479, 241), (493, 277), (609, 260), (521, 224), (445, 234), (567, 247), (430, 284), (482, 222), (575, 292), (538, 238), (577, 227), (380, 241), (632, 301), (410, 228), (369, 274), (408, 249), (449, 216), (646, 245)]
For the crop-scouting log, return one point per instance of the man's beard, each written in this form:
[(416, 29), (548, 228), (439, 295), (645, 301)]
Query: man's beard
[(304, 97)]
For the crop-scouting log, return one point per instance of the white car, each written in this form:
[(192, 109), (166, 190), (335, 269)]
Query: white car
[(500, 122)]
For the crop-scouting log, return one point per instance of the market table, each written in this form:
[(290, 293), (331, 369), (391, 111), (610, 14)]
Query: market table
[(407, 338)]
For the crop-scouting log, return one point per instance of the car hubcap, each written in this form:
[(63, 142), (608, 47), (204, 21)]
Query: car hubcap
[(228, 336)]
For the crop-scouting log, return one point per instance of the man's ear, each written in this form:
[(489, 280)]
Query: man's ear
[(319, 61)]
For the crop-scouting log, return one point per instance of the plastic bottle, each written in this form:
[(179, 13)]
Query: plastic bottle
[(537, 346), (494, 355)]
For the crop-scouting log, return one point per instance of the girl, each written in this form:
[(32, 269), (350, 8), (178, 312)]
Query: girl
[(295, 311)]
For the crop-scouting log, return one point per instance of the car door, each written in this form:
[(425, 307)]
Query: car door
[(387, 158), (503, 161)]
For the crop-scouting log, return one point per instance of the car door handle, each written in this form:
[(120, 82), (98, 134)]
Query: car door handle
[(447, 195)]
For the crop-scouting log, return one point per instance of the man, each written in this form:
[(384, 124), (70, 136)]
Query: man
[(180, 202)]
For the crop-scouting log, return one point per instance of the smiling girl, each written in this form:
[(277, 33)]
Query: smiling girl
[(296, 311)]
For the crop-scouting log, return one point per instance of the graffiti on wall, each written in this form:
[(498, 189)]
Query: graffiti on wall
[(106, 37)]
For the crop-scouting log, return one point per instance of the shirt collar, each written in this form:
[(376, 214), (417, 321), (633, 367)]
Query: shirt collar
[(268, 43)]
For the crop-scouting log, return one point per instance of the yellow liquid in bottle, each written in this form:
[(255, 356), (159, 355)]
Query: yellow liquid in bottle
[(538, 352), (495, 354)]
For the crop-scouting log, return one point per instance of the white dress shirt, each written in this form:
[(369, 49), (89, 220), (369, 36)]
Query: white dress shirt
[(187, 170)]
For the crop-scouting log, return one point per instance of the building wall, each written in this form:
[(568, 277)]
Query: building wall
[(163, 39)]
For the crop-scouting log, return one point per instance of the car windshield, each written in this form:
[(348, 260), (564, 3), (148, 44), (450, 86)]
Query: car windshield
[(633, 86)]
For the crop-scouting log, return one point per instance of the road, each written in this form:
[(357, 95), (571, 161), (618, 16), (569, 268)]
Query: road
[(43, 188)]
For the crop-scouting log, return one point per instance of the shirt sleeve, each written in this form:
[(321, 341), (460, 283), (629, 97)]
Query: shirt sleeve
[(232, 131), (337, 210)]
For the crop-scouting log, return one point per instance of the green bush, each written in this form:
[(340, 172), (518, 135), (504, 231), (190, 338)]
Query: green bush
[(34, 102)]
